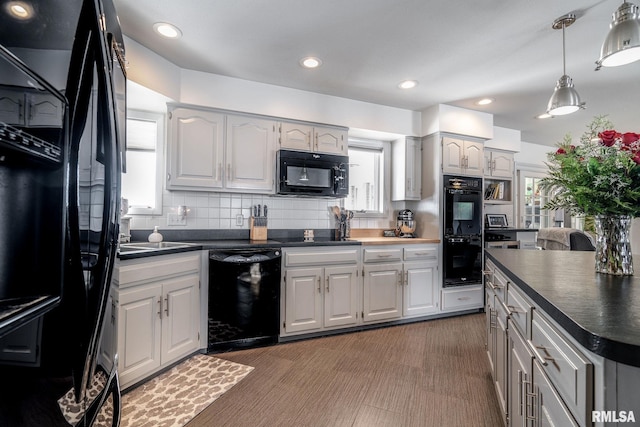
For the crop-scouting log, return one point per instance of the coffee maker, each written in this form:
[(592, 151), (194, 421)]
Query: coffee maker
[(405, 224)]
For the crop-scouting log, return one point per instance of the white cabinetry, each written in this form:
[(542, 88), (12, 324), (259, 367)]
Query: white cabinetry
[(320, 289), (406, 178), (212, 151), (462, 157), (158, 308), (541, 377), (498, 163), (196, 150), (250, 154), (400, 282), (307, 137), (23, 108)]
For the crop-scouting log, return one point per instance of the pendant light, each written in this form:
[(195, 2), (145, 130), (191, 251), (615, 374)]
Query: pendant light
[(622, 44), (565, 99)]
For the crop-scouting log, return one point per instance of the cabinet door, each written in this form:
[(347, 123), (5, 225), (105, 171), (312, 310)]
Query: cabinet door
[(474, 158), (520, 363), (330, 140), (44, 110), (414, 168), (502, 164), (12, 106), (303, 299), (491, 325), (382, 292), (340, 296), (180, 317), (296, 136), (501, 356), (250, 154), (452, 155), (420, 296), (139, 332), (549, 408), (195, 150)]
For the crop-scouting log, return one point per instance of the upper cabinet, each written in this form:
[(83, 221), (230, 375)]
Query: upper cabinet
[(498, 163), (306, 137), (250, 154), (462, 157), (213, 151), (406, 178), (196, 150), (31, 109)]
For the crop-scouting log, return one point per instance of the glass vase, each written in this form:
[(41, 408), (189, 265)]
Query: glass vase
[(613, 249)]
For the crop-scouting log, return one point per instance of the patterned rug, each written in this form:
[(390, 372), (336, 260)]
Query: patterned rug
[(173, 398)]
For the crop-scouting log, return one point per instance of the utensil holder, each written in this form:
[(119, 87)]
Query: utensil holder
[(258, 229)]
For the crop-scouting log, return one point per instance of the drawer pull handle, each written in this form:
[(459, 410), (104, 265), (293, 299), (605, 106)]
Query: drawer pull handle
[(534, 348), (327, 282), (160, 307), (166, 308), (319, 286), (514, 309), (384, 255), (487, 272), (463, 298)]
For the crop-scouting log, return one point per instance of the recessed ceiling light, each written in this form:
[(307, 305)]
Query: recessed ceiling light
[(310, 62), (544, 116), (167, 30), (485, 101), (19, 9), (408, 84)]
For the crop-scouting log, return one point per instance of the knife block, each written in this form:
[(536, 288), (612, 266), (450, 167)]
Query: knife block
[(258, 232)]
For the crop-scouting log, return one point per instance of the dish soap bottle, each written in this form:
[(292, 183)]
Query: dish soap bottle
[(155, 237)]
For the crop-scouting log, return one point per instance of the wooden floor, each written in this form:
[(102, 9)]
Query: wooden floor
[(432, 373)]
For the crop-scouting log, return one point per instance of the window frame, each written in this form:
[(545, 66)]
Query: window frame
[(159, 119), (385, 148)]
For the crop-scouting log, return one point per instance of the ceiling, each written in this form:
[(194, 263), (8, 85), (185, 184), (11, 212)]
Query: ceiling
[(458, 50)]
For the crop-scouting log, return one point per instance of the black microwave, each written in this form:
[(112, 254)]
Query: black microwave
[(312, 174)]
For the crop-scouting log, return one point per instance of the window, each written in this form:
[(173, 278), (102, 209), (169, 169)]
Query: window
[(532, 201), (368, 188), (142, 184)]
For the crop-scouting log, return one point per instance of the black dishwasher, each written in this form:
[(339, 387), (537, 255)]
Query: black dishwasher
[(244, 298)]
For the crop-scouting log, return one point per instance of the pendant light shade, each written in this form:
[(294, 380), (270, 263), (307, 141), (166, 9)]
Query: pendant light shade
[(565, 98), (622, 44)]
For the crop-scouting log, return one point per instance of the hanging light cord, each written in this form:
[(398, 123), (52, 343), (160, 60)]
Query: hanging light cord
[(564, 56)]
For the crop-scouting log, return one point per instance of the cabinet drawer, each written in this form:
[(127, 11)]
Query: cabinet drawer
[(421, 252), (461, 298), (519, 311), (382, 255), (329, 256), (500, 283), (152, 268), (568, 369)]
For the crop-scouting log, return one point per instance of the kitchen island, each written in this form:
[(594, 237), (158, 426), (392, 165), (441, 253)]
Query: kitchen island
[(602, 312), (563, 341)]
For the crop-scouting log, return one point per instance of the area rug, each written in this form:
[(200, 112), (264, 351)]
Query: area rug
[(175, 397)]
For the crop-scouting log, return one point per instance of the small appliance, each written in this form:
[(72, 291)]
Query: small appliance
[(405, 224)]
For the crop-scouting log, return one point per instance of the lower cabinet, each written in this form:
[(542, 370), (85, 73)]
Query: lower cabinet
[(158, 313), (322, 287), (317, 296), (382, 291), (541, 377)]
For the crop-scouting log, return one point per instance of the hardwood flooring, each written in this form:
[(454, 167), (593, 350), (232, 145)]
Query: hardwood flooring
[(432, 373)]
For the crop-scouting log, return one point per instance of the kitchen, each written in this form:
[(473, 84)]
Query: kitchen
[(221, 211)]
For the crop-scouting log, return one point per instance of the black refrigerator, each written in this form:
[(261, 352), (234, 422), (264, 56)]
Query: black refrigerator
[(62, 144)]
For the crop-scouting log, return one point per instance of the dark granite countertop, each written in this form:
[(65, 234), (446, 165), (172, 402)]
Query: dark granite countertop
[(602, 312), (236, 244)]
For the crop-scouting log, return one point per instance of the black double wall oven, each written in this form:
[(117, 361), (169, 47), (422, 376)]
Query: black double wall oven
[(462, 248)]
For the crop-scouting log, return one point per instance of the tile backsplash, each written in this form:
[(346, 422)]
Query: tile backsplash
[(231, 211)]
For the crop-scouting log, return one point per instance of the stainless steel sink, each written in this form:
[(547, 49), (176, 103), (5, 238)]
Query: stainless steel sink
[(151, 246)]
